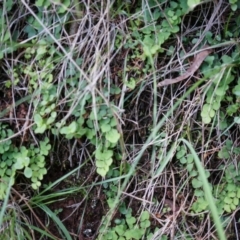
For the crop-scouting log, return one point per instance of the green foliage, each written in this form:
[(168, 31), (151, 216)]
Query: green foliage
[(111, 189), (14, 224), (46, 105), (186, 159), (103, 160), (40, 76), (149, 31), (234, 4), (127, 227), (33, 28), (28, 161), (228, 192), (219, 92), (102, 116)]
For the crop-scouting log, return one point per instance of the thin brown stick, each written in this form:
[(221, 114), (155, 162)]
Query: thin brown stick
[(193, 68)]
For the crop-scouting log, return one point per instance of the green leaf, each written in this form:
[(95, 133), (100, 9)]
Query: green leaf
[(223, 153), (145, 216), (130, 221), (39, 3), (113, 122), (102, 171), (189, 158), (196, 183), (105, 128), (135, 233), (228, 200), (236, 201), (193, 173), (189, 167), (238, 193), (64, 6), (105, 155), (38, 119), (21, 162), (198, 193), (145, 224), (181, 153), (41, 128), (108, 161), (113, 136), (236, 90), (220, 91), (216, 105), (193, 3), (174, 29), (120, 230), (234, 7), (100, 163), (34, 186), (183, 160), (231, 187), (237, 120), (27, 172), (131, 83), (72, 128)]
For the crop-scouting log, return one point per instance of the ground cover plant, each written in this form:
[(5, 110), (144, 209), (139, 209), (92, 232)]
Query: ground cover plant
[(113, 125)]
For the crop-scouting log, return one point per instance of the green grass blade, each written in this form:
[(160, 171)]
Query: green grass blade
[(207, 190), (59, 223), (5, 202)]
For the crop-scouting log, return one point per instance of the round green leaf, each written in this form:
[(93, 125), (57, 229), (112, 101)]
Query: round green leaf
[(27, 172), (112, 136), (196, 183)]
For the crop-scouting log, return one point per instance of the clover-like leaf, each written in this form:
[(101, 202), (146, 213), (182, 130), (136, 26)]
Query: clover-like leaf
[(227, 208), (120, 230), (231, 187), (193, 3), (21, 162), (228, 200), (131, 83), (220, 91), (113, 122), (189, 167), (105, 127), (237, 120), (135, 233), (39, 3), (102, 171), (27, 172), (100, 163), (130, 221), (103, 155), (112, 136), (144, 216), (183, 160), (72, 128), (223, 153), (196, 183), (198, 193), (189, 158), (108, 161), (236, 90), (41, 129), (236, 201), (181, 153), (207, 113), (145, 224), (206, 119), (193, 173)]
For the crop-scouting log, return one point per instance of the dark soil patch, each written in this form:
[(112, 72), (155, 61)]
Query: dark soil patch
[(80, 213)]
